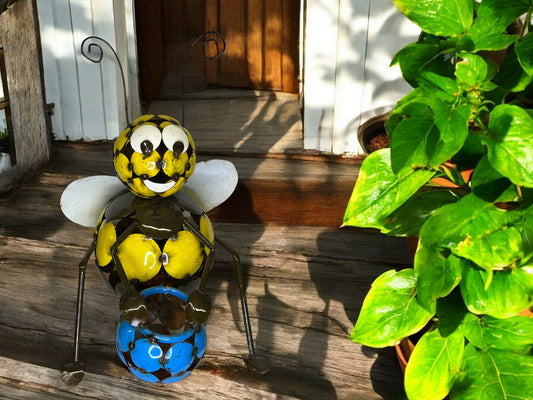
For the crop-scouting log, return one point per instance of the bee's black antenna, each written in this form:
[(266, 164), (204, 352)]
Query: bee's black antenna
[(209, 38), (94, 52)]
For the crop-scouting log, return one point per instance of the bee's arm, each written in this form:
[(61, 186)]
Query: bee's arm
[(198, 305), (132, 304)]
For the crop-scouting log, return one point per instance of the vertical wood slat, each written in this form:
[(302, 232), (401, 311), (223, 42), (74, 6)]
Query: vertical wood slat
[(233, 69), (20, 40), (350, 71), (89, 75), (151, 61), (321, 36), (384, 85), (254, 41), (290, 46), (109, 77), (127, 53), (211, 24), (60, 64), (273, 45)]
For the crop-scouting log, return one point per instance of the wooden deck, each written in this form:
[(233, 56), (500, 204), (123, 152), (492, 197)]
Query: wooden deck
[(305, 285)]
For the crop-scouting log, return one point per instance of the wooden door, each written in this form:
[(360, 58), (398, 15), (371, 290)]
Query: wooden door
[(262, 45), (165, 31)]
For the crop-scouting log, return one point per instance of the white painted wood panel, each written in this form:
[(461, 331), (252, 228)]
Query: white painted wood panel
[(320, 53), (88, 97), (348, 46)]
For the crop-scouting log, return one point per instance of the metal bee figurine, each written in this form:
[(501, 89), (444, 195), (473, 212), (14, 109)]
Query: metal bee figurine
[(155, 246)]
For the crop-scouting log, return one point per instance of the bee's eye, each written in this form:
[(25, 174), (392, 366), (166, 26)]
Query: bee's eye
[(175, 138), (145, 139)]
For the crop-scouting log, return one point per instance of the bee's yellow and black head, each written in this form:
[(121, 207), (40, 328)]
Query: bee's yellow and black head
[(154, 156)]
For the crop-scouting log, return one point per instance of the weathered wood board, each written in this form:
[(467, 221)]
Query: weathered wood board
[(305, 287), (20, 40)]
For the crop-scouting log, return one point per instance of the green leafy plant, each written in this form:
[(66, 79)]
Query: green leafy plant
[(470, 109)]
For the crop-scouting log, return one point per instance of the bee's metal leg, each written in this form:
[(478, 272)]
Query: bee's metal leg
[(73, 372), (255, 364)]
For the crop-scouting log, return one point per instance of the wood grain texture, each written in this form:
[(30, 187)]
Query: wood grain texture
[(20, 40), (305, 287)]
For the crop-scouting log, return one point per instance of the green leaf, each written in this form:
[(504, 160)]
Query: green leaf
[(512, 75), (512, 334), (449, 225), (414, 104), (437, 273), (497, 15), (524, 51), (409, 143), (494, 41), (495, 238), (487, 183), (472, 69), (412, 59), (451, 313), (438, 17), (441, 87), (409, 218), (434, 365), (510, 143), (452, 122), (473, 229), (378, 191), (494, 374), (508, 292), (390, 311)]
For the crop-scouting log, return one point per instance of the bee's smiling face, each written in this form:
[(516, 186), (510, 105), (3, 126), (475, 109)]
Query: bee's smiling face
[(154, 156)]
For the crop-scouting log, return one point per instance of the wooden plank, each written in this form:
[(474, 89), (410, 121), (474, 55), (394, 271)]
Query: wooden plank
[(20, 40), (64, 56), (89, 75), (385, 85), (350, 75), (320, 49), (249, 123), (273, 45), (150, 47), (50, 67), (103, 20), (211, 24), (254, 42), (289, 46), (233, 70), (129, 40)]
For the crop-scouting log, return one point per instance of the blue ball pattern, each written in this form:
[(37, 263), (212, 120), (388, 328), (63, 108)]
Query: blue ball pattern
[(158, 358)]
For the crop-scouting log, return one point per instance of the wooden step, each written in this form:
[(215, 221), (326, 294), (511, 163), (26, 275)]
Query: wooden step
[(285, 190), (289, 192)]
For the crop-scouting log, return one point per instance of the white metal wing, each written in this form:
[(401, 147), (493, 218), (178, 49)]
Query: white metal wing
[(211, 183), (83, 200)]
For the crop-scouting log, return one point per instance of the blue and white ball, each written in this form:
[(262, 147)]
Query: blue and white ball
[(160, 358)]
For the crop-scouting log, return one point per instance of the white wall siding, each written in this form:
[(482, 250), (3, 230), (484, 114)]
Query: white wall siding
[(88, 97), (347, 50)]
